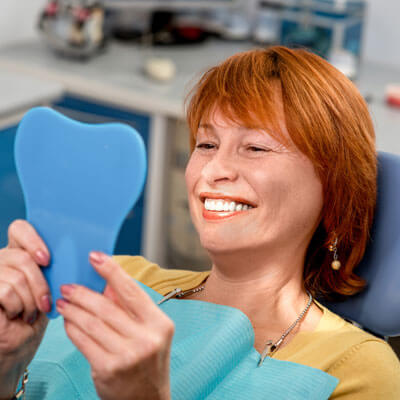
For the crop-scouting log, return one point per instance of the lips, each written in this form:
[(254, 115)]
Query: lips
[(218, 215)]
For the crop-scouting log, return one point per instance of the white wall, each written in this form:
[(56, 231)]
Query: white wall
[(381, 41), (382, 34), (18, 20)]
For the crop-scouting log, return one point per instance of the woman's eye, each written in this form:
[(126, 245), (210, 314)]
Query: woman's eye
[(206, 146), (256, 149)]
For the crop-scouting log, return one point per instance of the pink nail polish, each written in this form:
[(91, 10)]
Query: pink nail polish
[(66, 290), (45, 303), (97, 257), (43, 257), (60, 303)]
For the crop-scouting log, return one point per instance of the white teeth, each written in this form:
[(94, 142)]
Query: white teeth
[(211, 205), (226, 206)]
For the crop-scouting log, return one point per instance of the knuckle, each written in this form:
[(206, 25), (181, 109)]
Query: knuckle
[(18, 279), (155, 343), (167, 326), (15, 226), (109, 370), (6, 291), (128, 359)]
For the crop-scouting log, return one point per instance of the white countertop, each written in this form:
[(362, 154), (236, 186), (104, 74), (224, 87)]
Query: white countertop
[(19, 92), (117, 77)]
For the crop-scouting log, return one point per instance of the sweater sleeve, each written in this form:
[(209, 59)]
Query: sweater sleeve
[(367, 371)]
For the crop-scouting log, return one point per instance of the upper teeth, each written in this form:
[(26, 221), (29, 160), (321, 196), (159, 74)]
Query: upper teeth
[(223, 205)]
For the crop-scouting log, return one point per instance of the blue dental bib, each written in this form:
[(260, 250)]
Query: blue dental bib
[(212, 357)]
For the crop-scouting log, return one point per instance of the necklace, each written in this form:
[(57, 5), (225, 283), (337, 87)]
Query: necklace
[(179, 294), (270, 347)]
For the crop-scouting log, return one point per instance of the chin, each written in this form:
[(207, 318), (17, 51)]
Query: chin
[(219, 246)]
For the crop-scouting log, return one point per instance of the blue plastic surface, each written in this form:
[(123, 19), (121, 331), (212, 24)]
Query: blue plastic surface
[(377, 308), (79, 182)]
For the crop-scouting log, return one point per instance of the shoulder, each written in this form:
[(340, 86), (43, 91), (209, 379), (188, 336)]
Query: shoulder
[(367, 370), (162, 280), (366, 366)]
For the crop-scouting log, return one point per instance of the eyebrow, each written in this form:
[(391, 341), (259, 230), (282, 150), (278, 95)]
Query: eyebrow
[(212, 128), (206, 126)]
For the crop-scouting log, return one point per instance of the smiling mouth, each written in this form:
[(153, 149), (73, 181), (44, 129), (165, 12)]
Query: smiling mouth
[(221, 208), (219, 205)]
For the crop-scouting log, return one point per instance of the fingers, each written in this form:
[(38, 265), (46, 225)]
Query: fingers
[(10, 301), (95, 328), (99, 306), (21, 234), (90, 349), (130, 295), (19, 269), (16, 296), (23, 287)]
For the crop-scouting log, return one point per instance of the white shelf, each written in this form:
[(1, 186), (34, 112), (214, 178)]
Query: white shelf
[(170, 4)]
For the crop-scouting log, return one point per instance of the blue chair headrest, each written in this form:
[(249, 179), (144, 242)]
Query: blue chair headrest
[(377, 308)]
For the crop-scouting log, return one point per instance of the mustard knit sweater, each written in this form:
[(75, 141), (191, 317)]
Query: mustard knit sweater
[(366, 366)]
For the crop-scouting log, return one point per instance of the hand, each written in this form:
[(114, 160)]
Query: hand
[(122, 333), (24, 298)]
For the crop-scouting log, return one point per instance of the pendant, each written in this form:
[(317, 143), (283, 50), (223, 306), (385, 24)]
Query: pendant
[(268, 349), (169, 295)]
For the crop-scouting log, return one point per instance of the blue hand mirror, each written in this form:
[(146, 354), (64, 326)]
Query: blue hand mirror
[(79, 182)]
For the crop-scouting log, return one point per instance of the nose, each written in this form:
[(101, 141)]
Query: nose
[(223, 166)]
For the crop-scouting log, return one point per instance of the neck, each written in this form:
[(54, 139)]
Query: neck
[(269, 291)]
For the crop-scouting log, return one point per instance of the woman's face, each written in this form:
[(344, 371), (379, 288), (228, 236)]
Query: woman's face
[(248, 191)]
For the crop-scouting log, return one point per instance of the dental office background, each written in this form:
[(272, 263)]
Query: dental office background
[(380, 42), (159, 226)]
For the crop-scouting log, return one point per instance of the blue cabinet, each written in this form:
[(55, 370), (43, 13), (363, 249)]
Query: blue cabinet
[(11, 198)]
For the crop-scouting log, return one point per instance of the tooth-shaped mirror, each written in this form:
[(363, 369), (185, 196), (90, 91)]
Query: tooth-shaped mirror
[(79, 183)]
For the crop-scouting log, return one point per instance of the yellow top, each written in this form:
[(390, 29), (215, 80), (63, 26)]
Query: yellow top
[(366, 366)]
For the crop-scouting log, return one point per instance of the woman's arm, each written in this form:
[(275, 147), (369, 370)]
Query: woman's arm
[(367, 371)]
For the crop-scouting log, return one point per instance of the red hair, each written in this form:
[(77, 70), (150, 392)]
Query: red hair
[(327, 120)]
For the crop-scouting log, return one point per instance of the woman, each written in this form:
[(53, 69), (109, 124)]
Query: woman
[(282, 187)]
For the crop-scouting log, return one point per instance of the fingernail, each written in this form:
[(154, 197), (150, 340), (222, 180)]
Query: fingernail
[(66, 290), (42, 257), (97, 257), (60, 303), (45, 303)]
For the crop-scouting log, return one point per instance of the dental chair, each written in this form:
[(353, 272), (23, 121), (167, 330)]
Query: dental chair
[(377, 308)]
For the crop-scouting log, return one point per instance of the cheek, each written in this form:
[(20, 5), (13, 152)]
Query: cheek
[(291, 190), (190, 174), (307, 195)]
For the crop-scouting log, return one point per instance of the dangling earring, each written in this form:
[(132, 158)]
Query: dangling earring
[(335, 263)]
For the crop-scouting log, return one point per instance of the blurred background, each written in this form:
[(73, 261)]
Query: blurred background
[(134, 61)]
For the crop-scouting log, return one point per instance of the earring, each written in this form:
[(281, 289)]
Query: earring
[(335, 263)]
